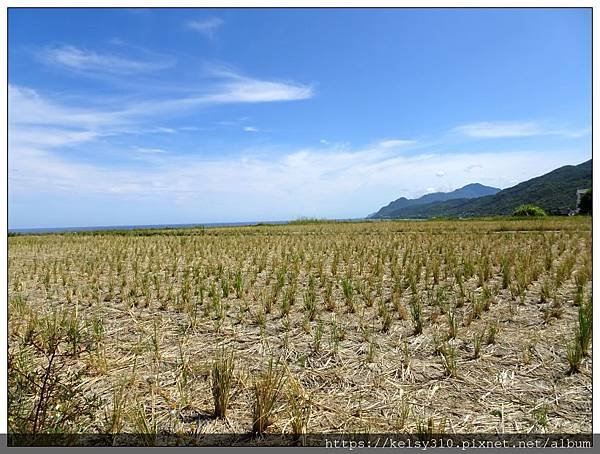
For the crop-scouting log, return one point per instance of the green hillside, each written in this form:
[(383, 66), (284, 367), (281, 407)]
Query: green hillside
[(555, 192), (470, 191)]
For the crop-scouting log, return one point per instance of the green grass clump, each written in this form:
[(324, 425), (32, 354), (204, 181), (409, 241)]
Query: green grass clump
[(348, 290), (477, 341), (266, 392), (416, 311), (578, 348), (529, 210), (584, 333), (222, 378), (449, 359)]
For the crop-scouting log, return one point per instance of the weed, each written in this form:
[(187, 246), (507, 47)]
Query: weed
[(492, 330), (300, 409), (222, 377), (225, 287), (452, 325), (267, 388), (371, 349), (328, 297), (310, 303), (541, 416), (584, 332), (348, 290), (318, 336), (416, 311), (449, 359), (477, 340), (425, 429), (574, 356)]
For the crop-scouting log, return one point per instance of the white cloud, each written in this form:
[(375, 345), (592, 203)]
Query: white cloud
[(324, 142), (28, 108), (321, 182), (487, 129), (440, 174), (161, 129), (148, 150), (329, 178), (504, 129), (50, 137), (393, 143), (239, 89), (335, 179), (89, 61), (207, 27), (250, 129), (230, 88), (473, 167), (575, 133)]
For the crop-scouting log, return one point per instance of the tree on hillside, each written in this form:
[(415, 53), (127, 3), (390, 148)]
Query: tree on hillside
[(585, 202), (529, 210)]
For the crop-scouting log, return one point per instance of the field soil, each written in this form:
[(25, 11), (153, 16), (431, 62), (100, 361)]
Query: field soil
[(376, 327)]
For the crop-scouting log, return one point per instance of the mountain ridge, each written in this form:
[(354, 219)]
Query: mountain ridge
[(469, 191), (554, 191)]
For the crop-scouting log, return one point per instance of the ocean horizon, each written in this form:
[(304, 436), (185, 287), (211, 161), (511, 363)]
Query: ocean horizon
[(34, 230), (92, 228)]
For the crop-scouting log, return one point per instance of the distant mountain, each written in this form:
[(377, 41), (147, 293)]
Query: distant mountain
[(469, 191), (555, 192)]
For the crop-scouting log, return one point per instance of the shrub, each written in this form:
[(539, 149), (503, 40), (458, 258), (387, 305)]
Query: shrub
[(585, 202), (47, 396), (529, 210)]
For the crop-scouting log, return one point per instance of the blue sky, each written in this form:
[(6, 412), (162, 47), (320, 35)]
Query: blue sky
[(152, 116)]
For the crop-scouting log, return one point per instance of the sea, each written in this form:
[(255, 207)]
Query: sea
[(155, 226)]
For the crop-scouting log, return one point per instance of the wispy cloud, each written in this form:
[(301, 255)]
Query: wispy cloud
[(29, 107), (261, 185), (43, 136), (337, 180), (164, 130), (506, 129), (486, 129), (41, 127), (234, 87), (226, 87), (144, 150), (89, 61), (393, 143), (207, 27), (472, 167), (250, 129)]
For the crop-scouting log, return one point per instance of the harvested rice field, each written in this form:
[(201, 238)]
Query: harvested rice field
[(464, 326)]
